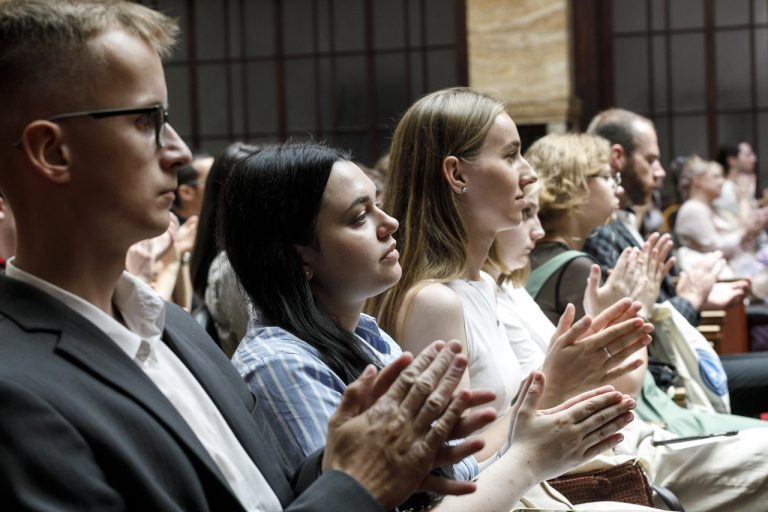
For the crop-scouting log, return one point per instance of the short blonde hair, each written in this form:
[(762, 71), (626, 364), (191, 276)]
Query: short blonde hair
[(564, 162)]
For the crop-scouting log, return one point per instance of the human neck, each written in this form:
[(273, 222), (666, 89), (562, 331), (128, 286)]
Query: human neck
[(478, 245), (77, 266), (346, 315), (568, 231)]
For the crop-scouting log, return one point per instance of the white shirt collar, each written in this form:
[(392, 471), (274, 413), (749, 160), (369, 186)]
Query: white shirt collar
[(142, 309)]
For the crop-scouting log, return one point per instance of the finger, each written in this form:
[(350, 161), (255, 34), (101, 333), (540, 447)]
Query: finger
[(440, 430), (593, 283), (592, 409), (387, 377), (453, 454), (604, 445), (621, 263), (529, 402), (573, 333), (353, 401), (623, 369), (427, 410), (473, 422), (404, 382), (627, 345), (446, 487), (616, 423), (619, 338), (718, 267), (613, 313), (604, 414), (579, 398), (650, 243)]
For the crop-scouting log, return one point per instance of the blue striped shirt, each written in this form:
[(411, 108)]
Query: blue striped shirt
[(297, 392)]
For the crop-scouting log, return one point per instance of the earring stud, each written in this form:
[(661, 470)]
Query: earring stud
[(463, 190)]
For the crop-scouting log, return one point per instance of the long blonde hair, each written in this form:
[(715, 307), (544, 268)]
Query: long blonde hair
[(432, 239)]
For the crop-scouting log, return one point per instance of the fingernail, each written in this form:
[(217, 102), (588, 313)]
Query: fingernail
[(369, 371)]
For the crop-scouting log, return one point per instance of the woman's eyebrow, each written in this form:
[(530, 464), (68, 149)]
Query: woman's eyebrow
[(358, 201)]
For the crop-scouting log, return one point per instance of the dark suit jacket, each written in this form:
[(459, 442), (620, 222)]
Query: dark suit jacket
[(83, 428)]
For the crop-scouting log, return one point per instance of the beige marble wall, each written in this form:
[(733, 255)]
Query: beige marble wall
[(519, 51)]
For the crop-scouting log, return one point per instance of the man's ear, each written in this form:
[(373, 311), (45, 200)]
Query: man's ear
[(618, 159), (3, 209), (185, 193), (453, 172), (43, 144)]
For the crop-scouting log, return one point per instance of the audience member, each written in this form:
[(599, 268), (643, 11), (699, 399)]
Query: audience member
[(190, 189), (109, 397), (693, 473), (576, 196), (700, 228), (291, 213), (737, 197), (213, 279), (635, 153)]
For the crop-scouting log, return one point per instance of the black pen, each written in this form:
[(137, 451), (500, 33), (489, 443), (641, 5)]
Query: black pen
[(662, 442)]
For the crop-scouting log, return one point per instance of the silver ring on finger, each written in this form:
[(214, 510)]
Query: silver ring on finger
[(608, 353)]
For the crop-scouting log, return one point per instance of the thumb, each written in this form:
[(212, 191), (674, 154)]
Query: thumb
[(353, 400), (532, 398)]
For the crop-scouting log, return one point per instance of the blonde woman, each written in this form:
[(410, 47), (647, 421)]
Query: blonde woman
[(456, 179)]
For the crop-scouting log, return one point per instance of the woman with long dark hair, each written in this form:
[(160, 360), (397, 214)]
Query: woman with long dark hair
[(310, 245)]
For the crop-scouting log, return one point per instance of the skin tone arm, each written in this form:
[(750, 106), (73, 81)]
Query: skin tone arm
[(435, 312)]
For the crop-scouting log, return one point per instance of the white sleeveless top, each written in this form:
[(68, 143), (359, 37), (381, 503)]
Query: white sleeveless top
[(528, 328), (492, 363)]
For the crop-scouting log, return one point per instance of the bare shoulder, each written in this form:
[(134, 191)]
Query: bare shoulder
[(431, 311)]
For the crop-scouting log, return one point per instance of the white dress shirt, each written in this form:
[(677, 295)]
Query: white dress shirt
[(144, 314)]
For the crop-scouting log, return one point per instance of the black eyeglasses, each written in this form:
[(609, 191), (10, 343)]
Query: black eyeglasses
[(158, 112)]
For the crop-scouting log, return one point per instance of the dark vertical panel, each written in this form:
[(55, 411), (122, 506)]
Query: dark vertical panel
[(332, 64), (460, 42), (670, 105), (629, 16), (370, 75), (761, 66), (389, 30), (280, 70), (228, 72), (316, 66), (194, 119), (213, 94), (297, 24), (261, 94), (686, 13), (300, 108), (592, 43), (630, 73), (651, 65), (709, 15), (424, 63), (407, 43), (733, 63), (731, 12), (209, 29), (689, 65), (690, 135), (244, 71)]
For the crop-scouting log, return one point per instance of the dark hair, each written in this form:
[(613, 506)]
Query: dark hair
[(185, 175), (207, 242), (725, 151), (270, 204), (618, 127)]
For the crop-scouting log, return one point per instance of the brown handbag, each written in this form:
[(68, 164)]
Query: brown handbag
[(625, 483)]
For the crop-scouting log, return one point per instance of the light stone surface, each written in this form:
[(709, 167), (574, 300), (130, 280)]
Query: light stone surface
[(519, 52)]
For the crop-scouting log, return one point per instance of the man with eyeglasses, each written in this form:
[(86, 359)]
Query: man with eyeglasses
[(111, 399)]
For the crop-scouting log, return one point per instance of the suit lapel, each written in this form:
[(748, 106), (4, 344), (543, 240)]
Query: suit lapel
[(189, 345), (85, 345)]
